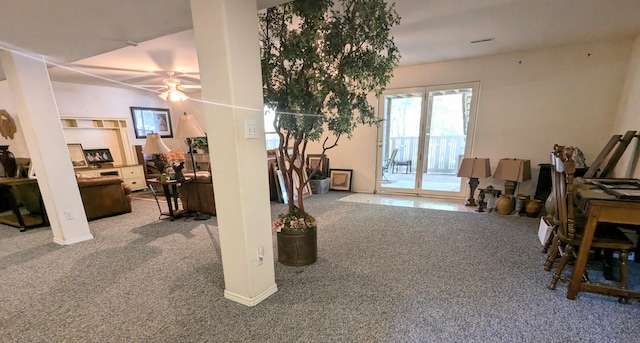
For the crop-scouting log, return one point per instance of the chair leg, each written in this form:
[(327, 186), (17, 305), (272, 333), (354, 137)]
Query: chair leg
[(563, 262), (552, 254), (622, 262)]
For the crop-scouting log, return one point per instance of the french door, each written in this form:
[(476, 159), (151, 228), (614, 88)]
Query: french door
[(425, 134)]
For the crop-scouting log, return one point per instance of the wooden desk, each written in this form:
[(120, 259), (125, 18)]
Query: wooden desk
[(599, 207), (17, 219), (170, 189)]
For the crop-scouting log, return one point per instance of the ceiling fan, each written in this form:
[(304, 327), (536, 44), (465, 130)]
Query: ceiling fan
[(173, 88)]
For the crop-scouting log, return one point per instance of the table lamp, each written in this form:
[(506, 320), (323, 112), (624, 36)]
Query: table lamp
[(154, 145), (189, 128), (474, 168), (512, 171)]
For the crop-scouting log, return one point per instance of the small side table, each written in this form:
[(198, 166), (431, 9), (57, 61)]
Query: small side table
[(170, 189)]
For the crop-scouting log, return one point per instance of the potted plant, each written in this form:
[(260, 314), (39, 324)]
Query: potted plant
[(320, 61), (200, 144)]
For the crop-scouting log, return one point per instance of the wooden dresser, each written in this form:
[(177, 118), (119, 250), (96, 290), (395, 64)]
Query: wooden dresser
[(132, 175)]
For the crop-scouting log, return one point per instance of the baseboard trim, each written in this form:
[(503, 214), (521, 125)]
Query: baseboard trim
[(73, 241), (251, 301)]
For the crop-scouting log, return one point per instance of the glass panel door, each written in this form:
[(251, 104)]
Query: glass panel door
[(425, 134), (400, 142)]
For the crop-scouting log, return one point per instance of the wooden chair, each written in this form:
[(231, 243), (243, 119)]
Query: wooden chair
[(568, 234)]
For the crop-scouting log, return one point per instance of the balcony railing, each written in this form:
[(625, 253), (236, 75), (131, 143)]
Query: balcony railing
[(443, 156)]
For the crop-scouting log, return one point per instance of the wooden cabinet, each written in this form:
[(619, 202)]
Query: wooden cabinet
[(133, 175)]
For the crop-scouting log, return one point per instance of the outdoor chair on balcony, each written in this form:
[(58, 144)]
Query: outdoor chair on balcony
[(407, 164), (388, 163)]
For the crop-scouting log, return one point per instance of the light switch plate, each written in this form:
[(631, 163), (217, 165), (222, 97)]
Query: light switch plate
[(250, 129)]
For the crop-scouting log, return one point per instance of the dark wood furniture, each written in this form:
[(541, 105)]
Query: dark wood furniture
[(27, 187), (620, 143), (572, 235), (170, 190)]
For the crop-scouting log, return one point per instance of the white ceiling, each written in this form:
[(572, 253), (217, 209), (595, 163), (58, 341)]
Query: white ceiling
[(92, 35)]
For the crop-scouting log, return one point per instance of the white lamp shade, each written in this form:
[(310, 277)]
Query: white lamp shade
[(188, 127), (154, 144), (173, 95), (475, 167), (511, 169)]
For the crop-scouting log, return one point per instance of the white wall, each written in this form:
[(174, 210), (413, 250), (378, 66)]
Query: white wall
[(628, 117), (528, 101), (78, 100)]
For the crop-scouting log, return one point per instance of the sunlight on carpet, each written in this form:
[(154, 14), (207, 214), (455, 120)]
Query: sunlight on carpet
[(406, 201)]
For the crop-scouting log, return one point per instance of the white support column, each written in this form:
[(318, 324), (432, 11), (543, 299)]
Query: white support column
[(38, 114), (226, 33)]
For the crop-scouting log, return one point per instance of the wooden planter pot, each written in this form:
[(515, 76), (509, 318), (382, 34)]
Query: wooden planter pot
[(297, 248)]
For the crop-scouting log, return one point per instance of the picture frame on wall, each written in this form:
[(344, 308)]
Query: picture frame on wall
[(151, 120), (77, 155), (340, 179), (96, 156)]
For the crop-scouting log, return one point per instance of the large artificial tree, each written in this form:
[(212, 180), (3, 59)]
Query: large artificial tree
[(320, 61)]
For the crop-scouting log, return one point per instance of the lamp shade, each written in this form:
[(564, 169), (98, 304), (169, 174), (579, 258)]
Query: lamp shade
[(188, 127), (173, 95), (154, 144), (511, 169), (475, 167)]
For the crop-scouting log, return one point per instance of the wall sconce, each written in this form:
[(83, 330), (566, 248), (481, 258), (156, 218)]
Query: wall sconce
[(474, 168), (512, 171)]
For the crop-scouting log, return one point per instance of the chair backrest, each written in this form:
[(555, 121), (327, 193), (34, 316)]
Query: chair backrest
[(562, 173), (391, 159)]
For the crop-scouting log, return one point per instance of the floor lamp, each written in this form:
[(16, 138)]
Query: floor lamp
[(189, 128)]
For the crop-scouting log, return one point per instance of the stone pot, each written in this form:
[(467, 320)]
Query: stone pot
[(297, 248), (505, 204), (533, 207)]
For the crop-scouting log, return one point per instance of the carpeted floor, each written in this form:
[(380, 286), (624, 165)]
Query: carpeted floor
[(384, 274)]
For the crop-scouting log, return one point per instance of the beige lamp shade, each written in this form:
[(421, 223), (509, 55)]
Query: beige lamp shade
[(511, 169), (475, 168), (154, 144), (188, 127)]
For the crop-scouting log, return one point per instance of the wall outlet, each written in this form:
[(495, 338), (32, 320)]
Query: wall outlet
[(68, 215), (260, 259)]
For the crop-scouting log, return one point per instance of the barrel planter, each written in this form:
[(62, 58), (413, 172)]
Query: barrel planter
[(297, 248)]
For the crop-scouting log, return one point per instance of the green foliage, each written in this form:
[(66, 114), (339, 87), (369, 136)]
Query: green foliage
[(320, 60)]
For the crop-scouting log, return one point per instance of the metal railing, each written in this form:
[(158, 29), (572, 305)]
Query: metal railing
[(443, 156)]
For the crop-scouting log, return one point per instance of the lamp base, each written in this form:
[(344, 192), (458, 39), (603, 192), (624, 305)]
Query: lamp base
[(473, 183)]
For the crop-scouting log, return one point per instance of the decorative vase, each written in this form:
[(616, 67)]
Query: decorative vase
[(519, 206), (297, 248), (533, 207), (505, 204), (8, 161)]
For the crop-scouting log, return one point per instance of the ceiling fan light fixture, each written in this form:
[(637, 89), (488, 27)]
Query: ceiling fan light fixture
[(173, 95)]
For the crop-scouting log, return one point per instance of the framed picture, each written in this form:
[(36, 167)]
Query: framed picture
[(340, 179), (95, 156), (77, 156), (316, 161), (151, 120)]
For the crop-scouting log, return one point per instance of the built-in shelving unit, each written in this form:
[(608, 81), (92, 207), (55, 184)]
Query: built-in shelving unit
[(100, 133)]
